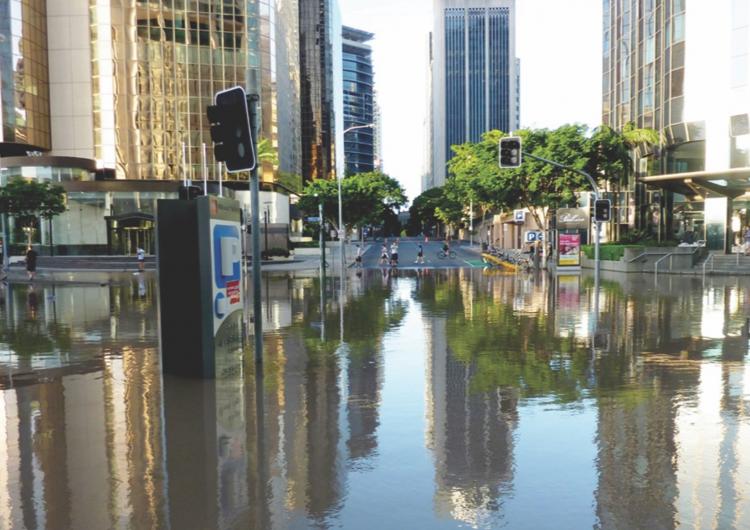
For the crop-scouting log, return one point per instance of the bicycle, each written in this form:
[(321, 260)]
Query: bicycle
[(450, 254)]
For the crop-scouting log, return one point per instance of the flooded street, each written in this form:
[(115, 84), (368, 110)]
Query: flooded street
[(434, 399)]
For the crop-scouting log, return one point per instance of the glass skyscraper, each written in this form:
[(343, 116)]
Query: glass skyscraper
[(359, 98), (474, 81), (317, 88), (683, 69), (24, 85)]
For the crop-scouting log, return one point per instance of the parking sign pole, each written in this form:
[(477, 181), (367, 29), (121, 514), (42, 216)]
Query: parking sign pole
[(255, 212)]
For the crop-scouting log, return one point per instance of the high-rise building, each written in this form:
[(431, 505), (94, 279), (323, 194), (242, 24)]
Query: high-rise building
[(378, 132), (359, 105), (24, 83), (665, 68), (109, 100), (320, 53), (155, 69), (474, 82), (280, 85)]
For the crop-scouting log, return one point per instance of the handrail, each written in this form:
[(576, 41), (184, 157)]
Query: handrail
[(705, 263), (671, 256), (644, 254), (656, 264)]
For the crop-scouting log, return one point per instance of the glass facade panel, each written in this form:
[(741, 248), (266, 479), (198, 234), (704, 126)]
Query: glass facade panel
[(359, 98), (24, 80), (455, 78), (316, 81), (184, 53)]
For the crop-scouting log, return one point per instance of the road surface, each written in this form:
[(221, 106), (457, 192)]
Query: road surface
[(407, 255)]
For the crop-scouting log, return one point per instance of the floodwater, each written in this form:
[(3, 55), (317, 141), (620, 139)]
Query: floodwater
[(450, 399)]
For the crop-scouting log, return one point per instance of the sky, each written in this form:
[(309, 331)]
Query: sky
[(559, 43)]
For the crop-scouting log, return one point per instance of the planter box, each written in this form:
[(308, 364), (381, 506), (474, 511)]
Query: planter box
[(644, 259)]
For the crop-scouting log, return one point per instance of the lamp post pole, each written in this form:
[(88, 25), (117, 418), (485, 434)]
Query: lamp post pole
[(342, 232)]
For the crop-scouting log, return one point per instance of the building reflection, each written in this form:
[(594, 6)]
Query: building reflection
[(92, 436)]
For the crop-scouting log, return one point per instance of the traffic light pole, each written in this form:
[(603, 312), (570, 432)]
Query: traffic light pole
[(255, 212), (592, 182)]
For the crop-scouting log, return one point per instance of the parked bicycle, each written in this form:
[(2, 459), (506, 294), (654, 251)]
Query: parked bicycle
[(447, 254)]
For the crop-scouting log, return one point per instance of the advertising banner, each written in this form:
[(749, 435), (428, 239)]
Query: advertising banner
[(569, 250)]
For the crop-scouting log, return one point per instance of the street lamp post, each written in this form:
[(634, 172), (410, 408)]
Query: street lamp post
[(342, 232)]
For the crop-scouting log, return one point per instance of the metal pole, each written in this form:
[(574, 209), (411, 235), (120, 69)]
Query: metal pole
[(471, 223), (205, 168), (221, 188), (255, 212), (4, 220), (342, 232), (322, 238), (265, 229), (184, 165)]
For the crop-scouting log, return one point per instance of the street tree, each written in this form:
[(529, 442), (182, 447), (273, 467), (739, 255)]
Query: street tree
[(27, 200), (537, 186), (431, 208), (366, 198)]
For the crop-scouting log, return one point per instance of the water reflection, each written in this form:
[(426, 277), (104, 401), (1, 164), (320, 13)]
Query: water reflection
[(419, 398)]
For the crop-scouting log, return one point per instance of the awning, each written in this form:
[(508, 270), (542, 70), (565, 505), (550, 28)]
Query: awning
[(731, 183)]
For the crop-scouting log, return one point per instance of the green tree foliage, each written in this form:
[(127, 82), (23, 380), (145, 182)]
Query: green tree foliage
[(366, 198), (431, 208), (536, 185), (266, 152), (25, 200)]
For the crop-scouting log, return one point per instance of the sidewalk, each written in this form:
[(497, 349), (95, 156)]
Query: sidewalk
[(309, 258)]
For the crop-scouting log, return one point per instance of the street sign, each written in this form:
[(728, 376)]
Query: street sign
[(312, 219), (534, 236), (519, 216)]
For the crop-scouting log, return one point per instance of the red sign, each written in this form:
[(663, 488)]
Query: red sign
[(233, 292), (569, 250)]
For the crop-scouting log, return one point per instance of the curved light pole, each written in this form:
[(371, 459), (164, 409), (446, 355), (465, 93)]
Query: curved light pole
[(342, 231)]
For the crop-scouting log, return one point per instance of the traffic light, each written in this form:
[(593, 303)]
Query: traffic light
[(510, 152), (602, 210), (230, 130)]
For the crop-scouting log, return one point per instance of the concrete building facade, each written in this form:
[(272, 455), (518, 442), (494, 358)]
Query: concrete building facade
[(473, 66)]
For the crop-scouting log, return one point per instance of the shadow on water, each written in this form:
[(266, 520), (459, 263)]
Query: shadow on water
[(433, 399)]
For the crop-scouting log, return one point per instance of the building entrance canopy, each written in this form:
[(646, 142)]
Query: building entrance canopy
[(699, 185)]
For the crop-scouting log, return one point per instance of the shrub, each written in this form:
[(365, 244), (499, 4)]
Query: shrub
[(274, 252), (608, 252)]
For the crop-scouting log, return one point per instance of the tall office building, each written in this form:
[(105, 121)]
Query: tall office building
[(359, 104), (280, 85), (320, 70), (474, 82), (666, 66), (24, 83), (105, 94)]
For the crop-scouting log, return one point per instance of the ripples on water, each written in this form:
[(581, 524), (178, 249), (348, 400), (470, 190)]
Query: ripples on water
[(413, 400)]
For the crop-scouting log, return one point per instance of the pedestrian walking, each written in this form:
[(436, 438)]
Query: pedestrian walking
[(31, 256), (141, 256), (420, 254), (394, 254), (383, 254), (358, 259)]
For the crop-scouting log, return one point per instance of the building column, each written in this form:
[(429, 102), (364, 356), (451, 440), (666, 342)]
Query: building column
[(718, 223)]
